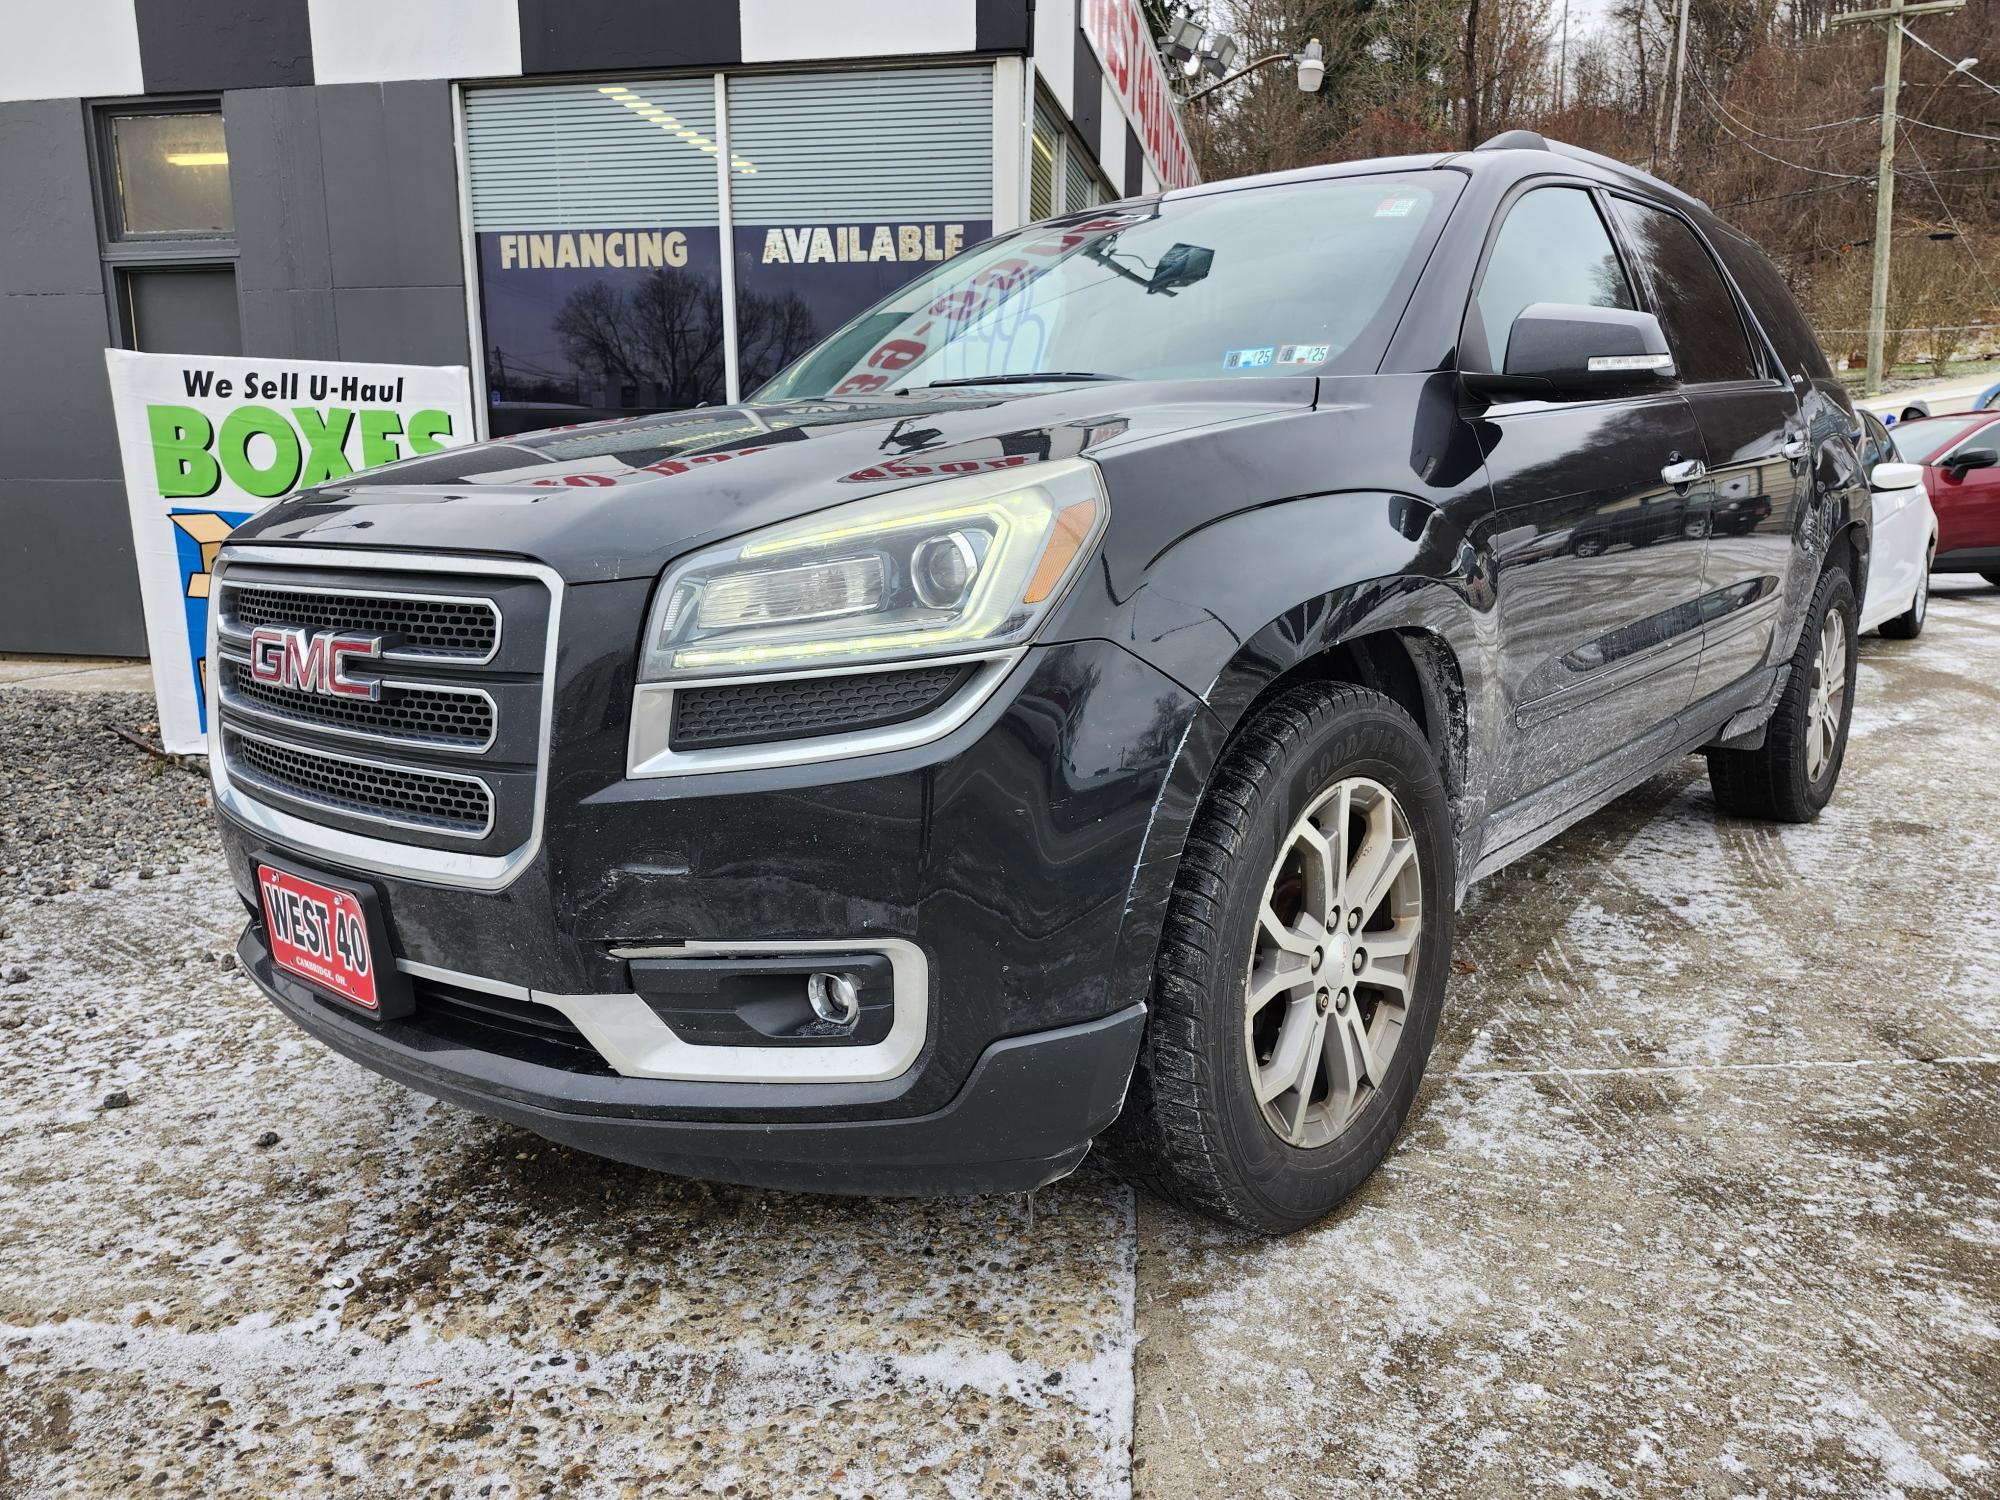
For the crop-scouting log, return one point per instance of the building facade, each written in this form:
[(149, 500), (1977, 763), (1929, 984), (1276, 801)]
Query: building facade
[(599, 206)]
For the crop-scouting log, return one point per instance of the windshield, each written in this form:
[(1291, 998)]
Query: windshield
[(1297, 279), (1917, 441)]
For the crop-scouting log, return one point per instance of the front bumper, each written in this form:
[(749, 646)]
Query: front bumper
[(1010, 853), (1024, 1118)]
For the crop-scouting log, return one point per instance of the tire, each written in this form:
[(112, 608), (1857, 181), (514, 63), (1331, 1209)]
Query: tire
[(1778, 781), (1910, 623), (1195, 1129), (1589, 546)]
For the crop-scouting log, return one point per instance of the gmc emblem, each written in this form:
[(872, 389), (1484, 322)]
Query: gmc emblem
[(288, 656)]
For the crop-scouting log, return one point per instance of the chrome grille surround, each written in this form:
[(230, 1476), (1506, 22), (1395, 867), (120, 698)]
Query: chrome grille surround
[(311, 816)]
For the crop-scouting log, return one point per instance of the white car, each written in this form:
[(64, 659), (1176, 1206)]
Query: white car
[(1906, 529)]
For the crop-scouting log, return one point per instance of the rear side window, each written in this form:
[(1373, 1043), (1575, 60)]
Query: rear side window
[(1692, 300), (1772, 301), (1552, 248)]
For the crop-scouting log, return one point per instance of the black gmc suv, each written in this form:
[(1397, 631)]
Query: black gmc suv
[(1068, 704)]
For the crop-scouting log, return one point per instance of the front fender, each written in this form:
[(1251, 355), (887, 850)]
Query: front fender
[(1227, 631)]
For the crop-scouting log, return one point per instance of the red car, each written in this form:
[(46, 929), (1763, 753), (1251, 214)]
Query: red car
[(1961, 459)]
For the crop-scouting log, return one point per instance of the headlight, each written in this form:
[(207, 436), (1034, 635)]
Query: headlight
[(962, 565), (908, 607)]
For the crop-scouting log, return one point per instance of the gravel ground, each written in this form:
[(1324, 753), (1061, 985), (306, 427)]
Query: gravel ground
[(79, 806), (1702, 1197)]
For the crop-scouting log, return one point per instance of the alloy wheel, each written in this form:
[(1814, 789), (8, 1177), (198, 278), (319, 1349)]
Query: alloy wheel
[(1333, 967), (1829, 695)]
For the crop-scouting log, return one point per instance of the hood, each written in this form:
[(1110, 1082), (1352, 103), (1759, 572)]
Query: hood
[(621, 499)]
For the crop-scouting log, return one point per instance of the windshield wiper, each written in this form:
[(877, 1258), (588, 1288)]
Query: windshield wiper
[(1032, 377)]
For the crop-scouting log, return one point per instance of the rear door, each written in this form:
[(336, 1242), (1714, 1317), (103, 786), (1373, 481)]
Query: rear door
[(1599, 557), (1897, 553), (1751, 428)]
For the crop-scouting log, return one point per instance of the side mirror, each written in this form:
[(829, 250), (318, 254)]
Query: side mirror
[(1895, 476), (1557, 349), (1968, 459)]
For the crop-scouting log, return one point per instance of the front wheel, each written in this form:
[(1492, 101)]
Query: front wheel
[(1302, 966), (1791, 776)]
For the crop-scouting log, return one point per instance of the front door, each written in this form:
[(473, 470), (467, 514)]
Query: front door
[(1750, 426), (1599, 548)]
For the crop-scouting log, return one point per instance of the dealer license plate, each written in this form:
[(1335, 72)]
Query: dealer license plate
[(323, 934)]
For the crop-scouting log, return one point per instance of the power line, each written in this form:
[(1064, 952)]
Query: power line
[(1959, 229), (1971, 135), (1990, 88), (1838, 187), (1807, 135), (1847, 177)]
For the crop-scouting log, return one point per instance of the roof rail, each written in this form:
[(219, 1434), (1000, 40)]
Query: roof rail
[(1528, 140)]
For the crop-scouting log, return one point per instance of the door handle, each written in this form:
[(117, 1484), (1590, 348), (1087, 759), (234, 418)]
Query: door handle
[(1684, 472), (1795, 448)]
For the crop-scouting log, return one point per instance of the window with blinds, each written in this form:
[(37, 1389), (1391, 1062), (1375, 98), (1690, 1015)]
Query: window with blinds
[(596, 214), (601, 225), (1061, 178), (859, 181)]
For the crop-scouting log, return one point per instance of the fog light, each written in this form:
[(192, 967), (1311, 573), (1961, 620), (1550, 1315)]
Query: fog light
[(834, 999)]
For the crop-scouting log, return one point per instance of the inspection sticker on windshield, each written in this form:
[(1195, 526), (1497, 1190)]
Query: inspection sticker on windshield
[(1395, 208), (1248, 359), (1302, 354)]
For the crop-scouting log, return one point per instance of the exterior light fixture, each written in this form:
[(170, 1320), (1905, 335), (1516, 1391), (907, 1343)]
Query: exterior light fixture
[(1312, 67), (1225, 54), (1183, 38)]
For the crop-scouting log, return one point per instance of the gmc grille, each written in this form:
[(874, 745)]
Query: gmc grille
[(454, 716), (459, 804), (465, 628), (446, 754)]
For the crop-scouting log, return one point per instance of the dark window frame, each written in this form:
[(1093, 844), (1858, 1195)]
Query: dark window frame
[(1763, 354), (1479, 357), (169, 251)]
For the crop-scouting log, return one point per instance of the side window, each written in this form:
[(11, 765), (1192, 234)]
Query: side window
[(1553, 248), (1693, 301)]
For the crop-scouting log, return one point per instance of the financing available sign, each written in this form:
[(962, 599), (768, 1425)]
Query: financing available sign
[(207, 442)]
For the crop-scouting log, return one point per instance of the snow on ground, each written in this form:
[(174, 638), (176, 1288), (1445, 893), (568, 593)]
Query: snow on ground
[(1702, 1196), (272, 1271)]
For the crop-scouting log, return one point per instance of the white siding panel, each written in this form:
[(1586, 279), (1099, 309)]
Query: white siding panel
[(1055, 50), (59, 49), (370, 41), (816, 30)]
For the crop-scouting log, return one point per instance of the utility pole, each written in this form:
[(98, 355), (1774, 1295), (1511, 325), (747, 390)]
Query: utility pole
[(1680, 82), (1891, 20)]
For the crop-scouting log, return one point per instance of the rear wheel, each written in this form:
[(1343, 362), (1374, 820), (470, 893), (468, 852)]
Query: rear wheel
[(1302, 966), (1791, 776), (1910, 623)]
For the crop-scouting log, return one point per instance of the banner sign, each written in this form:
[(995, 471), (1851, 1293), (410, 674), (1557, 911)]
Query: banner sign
[(207, 442), (1118, 34)]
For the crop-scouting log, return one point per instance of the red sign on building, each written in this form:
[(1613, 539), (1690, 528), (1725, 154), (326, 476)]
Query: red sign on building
[(1117, 32)]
